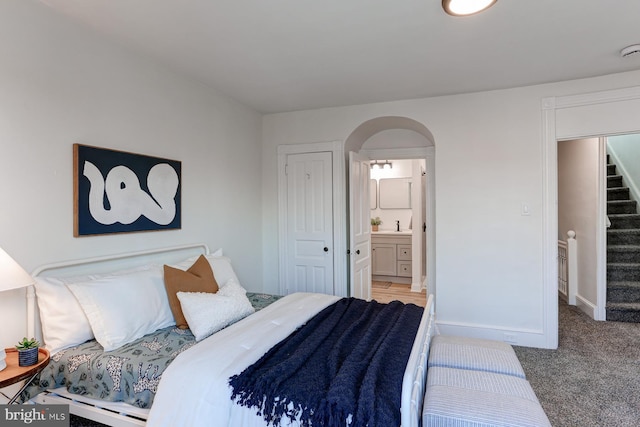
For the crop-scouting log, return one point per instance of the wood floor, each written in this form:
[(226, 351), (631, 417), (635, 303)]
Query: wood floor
[(399, 292)]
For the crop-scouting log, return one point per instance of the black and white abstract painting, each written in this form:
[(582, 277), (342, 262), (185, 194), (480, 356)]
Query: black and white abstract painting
[(118, 192)]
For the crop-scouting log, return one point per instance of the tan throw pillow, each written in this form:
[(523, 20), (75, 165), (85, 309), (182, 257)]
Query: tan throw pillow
[(198, 278)]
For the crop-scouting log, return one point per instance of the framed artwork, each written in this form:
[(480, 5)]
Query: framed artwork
[(120, 192)]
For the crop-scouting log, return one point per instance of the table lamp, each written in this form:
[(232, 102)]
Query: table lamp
[(12, 276)]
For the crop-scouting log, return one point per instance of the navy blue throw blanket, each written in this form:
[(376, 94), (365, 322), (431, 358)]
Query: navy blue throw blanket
[(348, 359)]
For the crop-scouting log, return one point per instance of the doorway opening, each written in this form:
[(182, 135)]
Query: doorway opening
[(598, 194), (398, 243), (406, 142), (611, 112), (397, 202), (581, 213)]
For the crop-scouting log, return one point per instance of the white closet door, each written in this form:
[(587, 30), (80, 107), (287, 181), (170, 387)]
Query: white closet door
[(310, 223)]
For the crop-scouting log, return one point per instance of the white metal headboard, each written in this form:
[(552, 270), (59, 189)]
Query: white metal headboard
[(103, 264)]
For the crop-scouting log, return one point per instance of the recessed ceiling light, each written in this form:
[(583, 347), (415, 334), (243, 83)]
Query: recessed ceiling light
[(630, 50), (466, 7)]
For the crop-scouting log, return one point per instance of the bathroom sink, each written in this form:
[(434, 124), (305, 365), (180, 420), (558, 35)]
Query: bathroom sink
[(392, 232)]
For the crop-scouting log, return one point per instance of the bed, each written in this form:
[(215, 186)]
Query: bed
[(177, 376)]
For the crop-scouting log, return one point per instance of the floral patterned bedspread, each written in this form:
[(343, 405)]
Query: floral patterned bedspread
[(129, 374)]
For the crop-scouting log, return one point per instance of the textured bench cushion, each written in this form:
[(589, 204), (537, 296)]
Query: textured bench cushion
[(475, 354), (459, 397)]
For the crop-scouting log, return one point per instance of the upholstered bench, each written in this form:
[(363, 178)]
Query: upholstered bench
[(476, 382), (475, 354), (462, 397)]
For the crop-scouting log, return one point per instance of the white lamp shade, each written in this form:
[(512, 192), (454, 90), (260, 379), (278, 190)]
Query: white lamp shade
[(12, 276)]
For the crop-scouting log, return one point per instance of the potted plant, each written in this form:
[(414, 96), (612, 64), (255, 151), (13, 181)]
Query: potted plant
[(27, 352), (375, 222)]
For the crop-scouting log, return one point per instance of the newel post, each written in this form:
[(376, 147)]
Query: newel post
[(572, 260)]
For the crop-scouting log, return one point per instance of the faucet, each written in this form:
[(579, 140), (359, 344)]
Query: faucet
[(398, 225)]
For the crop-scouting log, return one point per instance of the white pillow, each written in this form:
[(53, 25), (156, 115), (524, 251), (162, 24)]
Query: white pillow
[(207, 313), (122, 309), (64, 323)]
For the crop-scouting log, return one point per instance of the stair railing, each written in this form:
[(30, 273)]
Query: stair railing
[(568, 267)]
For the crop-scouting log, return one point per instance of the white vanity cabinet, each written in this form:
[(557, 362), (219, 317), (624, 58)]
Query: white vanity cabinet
[(391, 256)]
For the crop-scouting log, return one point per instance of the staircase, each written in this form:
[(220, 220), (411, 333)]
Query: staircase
[(623, 251)]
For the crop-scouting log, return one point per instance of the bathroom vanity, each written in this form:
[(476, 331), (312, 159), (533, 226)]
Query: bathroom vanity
[(391, 256)]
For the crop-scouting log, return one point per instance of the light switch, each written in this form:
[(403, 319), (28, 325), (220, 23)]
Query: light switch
[(525, 211)]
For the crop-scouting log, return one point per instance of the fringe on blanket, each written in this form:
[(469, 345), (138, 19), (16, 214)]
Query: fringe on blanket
[(348, 361)]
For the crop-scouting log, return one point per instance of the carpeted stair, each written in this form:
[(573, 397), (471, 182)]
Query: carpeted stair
[(623, 251)]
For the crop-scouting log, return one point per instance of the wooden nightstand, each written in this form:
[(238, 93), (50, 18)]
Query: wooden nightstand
[(14, 373)]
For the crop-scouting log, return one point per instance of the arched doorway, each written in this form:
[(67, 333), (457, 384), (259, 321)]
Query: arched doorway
[(395, 137)]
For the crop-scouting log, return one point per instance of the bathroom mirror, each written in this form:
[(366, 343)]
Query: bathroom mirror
[(373, 193), (395, 193)]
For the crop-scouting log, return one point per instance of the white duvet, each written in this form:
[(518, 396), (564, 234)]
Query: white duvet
[(195, 390)]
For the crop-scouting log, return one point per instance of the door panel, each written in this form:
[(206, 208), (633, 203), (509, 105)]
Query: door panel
[(310, 225), (360, 230)]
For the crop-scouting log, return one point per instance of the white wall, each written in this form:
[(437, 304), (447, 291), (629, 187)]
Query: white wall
[(61, 84), (578, 208), (625, 152), (489, 161)]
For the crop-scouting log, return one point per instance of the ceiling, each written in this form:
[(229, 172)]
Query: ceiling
[(286, 55)]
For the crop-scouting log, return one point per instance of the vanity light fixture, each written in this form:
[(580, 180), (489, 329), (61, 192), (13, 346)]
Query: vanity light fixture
[(381, 165), (466, 7)]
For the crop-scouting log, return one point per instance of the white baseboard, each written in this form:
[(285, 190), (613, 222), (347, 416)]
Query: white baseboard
[(587, 307), (520, 337), (416, 287)]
